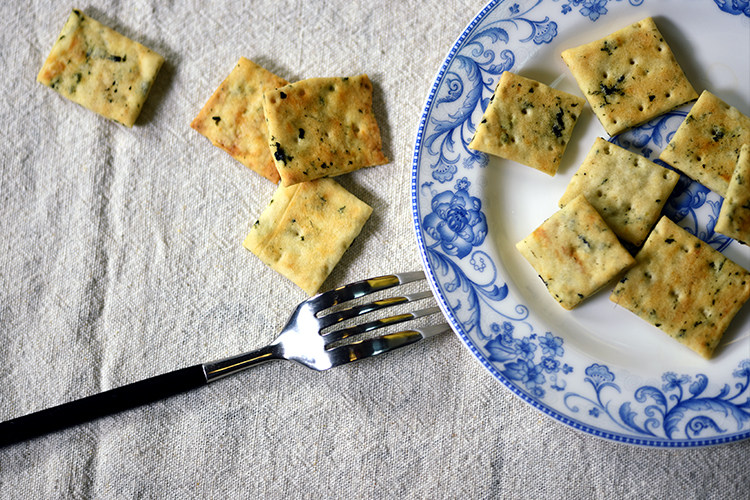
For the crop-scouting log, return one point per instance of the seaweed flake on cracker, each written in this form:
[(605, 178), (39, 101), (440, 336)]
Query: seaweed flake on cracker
[(305, 230), (734, 216), (100, 69), (626, 189), (322, 127), (707, 143), (575, 253), (629, 76), (233, 120), (683, 287), (527, 122)]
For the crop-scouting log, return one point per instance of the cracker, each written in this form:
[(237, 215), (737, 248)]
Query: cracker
[(575, 253), (706, 144), (306, 229), (734, 216), (626, 189), (527, 122), (100, 69), (629, 77), (322, 127), (684, 287), (233, 120)]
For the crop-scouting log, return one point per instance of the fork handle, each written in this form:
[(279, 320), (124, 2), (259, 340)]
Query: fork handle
[(101, 404)]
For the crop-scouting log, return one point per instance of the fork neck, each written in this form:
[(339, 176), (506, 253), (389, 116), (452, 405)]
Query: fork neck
[(228, 366)]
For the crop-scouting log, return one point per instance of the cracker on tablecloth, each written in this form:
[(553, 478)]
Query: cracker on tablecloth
[(575, 253), (707, 143), (527, 122), (627, 190), (629, 76), (684, 287), (305, 230), (322, 127), (233, 120), (734, 216), (100, 69)]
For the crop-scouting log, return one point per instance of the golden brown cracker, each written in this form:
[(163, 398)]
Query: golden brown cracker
[(100, 69), (629, 76), (683, 287), (233, 120), (305, 230), (322, 127), (527, 122)]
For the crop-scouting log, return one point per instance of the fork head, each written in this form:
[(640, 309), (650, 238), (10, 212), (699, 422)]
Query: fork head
[(315, 336)]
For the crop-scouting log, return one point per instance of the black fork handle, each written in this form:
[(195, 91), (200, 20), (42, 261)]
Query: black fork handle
[(99, 405)]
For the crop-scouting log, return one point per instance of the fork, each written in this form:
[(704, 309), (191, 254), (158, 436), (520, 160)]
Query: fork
[(315, 336)]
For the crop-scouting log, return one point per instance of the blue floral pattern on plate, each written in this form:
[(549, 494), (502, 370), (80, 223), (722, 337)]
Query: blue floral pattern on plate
[(681, 408)]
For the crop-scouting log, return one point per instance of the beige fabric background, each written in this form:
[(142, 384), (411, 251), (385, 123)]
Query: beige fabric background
[(121, 258)]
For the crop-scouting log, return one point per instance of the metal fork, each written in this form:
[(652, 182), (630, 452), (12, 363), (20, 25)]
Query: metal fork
[(313, 337)]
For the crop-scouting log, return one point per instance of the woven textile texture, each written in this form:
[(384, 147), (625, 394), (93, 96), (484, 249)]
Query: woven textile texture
[(121, 258)]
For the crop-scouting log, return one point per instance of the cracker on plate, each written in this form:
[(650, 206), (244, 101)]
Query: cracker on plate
[(734, 217), (629, 77), (626, 189), (683, 287), (305, 230), (233, 120), (527, 122), (707, 143), (100, 69), (322, 127), (575, 253)]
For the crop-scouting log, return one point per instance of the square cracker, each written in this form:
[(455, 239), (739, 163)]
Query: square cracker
[(707, 143), (527, 122), (626, 189), (322, 127), (684, 287), (734, 217), (629, 77), (305, 230), (575, 253), (100, 69), (233, 120)]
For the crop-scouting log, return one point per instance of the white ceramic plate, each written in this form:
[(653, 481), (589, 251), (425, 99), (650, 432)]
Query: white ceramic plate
[(599, 368)]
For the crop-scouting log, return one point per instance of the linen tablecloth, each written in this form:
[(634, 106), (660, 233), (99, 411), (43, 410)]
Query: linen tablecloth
[(121, 258)]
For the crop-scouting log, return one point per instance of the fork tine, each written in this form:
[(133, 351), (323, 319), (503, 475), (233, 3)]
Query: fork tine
[(343, 333), (358, 310), (360, 288), (379, 345)]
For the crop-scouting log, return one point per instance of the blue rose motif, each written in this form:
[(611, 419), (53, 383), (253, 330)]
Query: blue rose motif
[(456, 220)]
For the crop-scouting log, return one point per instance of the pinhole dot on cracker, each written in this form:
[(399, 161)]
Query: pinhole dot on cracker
[(683, 287), (100, 69), (322, 127), (233, 120), (527, 122), (627, 190), (734, 216), (629, 76), (575, 253), (305, 230), (707, 143)]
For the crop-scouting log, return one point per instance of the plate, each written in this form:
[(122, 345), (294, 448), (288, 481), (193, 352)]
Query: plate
[(599, 368)]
